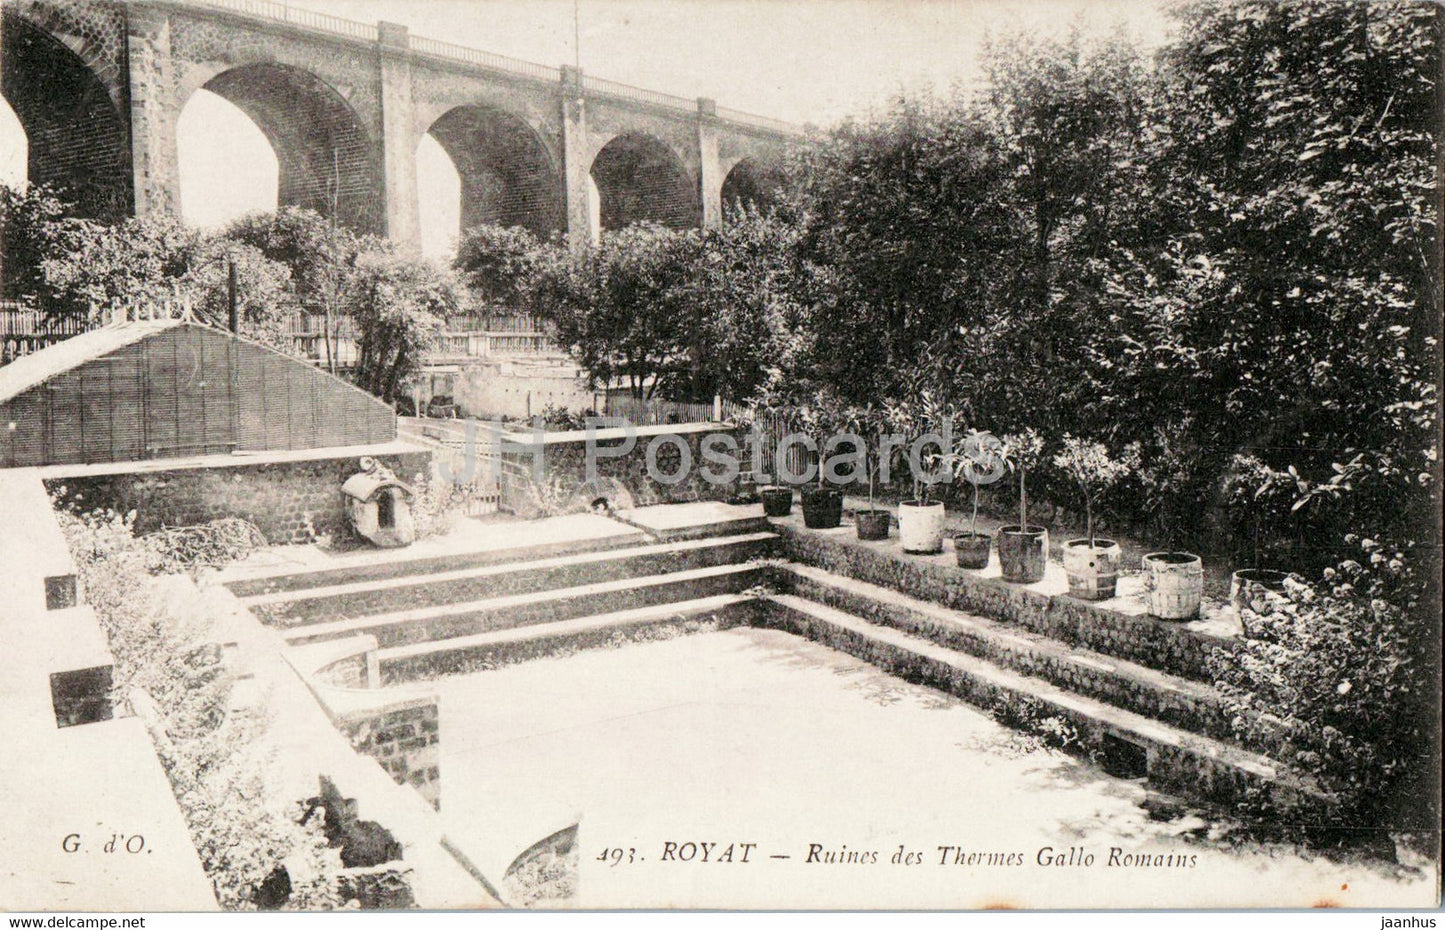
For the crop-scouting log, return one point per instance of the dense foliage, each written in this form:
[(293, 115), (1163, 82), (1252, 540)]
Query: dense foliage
[(1335, 672), (398, 305), (680, 314), (285, 264)]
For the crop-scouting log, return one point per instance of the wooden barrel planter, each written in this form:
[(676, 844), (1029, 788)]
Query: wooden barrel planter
[(1254, 590), (1093, 571), (1174, 584)]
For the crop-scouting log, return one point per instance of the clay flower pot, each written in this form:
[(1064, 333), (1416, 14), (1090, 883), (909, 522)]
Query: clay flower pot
[(1023, 552), (1093, 570), (920, 526), (971, 549), (873, 524)]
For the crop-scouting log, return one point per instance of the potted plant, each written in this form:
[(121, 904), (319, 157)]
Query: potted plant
[(1256, 590), (979, 461), (920, 520), (822, 506), (865, 424), (1256, 497), (1092, 563), (777, 500), (1173, 584), (1023, 550)]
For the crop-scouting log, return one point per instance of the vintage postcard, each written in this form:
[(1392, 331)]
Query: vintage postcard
[(647, 454)]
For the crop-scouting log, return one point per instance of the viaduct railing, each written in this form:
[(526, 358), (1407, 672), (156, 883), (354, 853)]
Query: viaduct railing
[(435, 48)]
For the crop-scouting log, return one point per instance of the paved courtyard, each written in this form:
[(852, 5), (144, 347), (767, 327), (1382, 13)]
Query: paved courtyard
[(757, 737)]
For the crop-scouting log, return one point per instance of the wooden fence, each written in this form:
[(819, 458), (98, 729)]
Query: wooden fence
[(640, 412), (24, 330)]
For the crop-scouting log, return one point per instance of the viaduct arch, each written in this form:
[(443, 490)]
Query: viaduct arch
[(98, 86)]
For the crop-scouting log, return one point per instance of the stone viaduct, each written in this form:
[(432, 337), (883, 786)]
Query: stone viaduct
[(99, 85)]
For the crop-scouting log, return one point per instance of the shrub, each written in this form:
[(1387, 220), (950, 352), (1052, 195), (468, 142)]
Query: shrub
[(213, 544), (172, 675), (1334, 670)]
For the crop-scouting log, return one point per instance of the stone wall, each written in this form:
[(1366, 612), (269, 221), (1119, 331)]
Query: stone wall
[(495, 388), (1169, 647), (1194, 771), (289, 501), (539, 479), (404, 739)]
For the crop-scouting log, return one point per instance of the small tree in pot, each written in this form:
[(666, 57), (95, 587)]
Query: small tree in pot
[(822, 506), (979, 461), (766, 415), (1023, 550), (1257, 498), (867, 424), (920, 520), (1091, 563)]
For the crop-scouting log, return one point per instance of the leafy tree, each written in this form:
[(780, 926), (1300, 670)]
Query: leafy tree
[(685, 314), (500, 265), (903, 215), (1292, 308), (398, 305), (751, 300), (91, 268), (265, 298), (322, 256), (1068, 118), (26, 214), (619, 308)]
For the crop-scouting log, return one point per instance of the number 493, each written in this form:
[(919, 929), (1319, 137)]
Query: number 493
[(616, 855)]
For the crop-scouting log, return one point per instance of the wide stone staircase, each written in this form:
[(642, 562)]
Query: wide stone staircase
[(462, 612), (1127, 690)]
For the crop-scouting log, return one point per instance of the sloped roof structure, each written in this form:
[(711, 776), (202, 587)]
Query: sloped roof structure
[(169, 388)]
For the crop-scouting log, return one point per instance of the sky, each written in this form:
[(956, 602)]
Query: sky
[(806, 61)]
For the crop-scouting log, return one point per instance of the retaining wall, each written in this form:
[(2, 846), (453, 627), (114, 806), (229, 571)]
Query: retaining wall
[(289, 500), (548, 471), (1178, 648)]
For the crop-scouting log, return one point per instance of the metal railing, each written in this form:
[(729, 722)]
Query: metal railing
[(656, 412), (504, 63), (306, 19), (761, 122), (477, 345), (436, 48), (636, 94)]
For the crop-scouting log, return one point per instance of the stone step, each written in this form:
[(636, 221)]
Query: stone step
[(1181, 702), (363, 598), (1119, 626), (432, 623), (725, 526), (463, 654), (372, 566), (1129, 744)]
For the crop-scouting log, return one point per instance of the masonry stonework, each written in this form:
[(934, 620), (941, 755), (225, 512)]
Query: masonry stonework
[(290, 502), (345, 104), (405, 741)]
